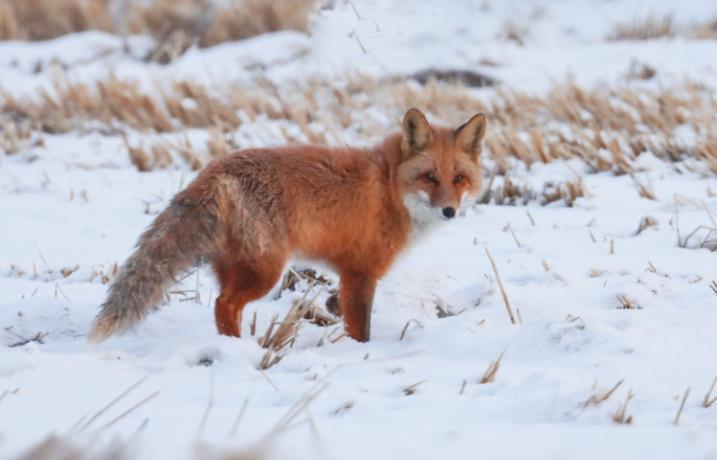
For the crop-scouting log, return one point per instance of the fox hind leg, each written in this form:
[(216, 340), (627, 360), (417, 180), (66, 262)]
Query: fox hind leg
[(241, 283)]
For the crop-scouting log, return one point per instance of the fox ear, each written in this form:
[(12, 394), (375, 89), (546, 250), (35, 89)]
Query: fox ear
[(469, 136), (417, 133)]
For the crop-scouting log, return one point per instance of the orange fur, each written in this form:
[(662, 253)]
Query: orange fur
[(354, 209)]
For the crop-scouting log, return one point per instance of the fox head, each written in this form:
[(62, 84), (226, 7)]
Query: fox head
[(439, 171)]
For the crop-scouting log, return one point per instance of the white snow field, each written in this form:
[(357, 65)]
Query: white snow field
[(615, 325)]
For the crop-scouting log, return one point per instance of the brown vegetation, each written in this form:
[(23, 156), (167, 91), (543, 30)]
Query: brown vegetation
[(606, 128), (181, 21), (655, 27), (646, 28), (510, 193)]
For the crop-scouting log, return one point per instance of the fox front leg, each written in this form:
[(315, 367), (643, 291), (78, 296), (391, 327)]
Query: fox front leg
[(355, 299)]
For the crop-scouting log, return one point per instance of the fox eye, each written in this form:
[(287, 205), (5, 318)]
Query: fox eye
[(431, 177), (459, 179)]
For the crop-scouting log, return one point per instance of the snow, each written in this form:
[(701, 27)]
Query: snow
[(78, 202)]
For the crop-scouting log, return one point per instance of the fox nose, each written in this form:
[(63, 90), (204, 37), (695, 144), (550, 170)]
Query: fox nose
[(449, 212)]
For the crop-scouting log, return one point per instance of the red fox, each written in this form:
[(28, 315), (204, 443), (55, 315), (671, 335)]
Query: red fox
[(247, 213)]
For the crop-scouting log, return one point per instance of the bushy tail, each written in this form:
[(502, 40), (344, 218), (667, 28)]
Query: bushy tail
[(179, 238)]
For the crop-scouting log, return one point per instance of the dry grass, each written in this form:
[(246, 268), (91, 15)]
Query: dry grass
[(707, 152), (412, 389), (503, 293), (567, 191), (510, 193), (606, 128), (708, 400), (640, 71), (655, 26), (444, 310), (644, 188), (175, 24), (681, 408), (515, 32), (621, 416), (646, 28), (149, 158), (56, 447), (598, 398), (706, 30), (17, 136), (406, 326), (39, 337), (492, 370), (45, 19), (627, 303), (281, 335), (702, 237), (292, 278), (73, 445), (312, 312), (645, 223)]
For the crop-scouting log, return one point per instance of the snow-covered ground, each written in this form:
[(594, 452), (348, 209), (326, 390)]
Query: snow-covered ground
[(73, 209)]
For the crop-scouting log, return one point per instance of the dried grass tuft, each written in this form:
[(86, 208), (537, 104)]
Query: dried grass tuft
[(515, 32), (506, 193), (621, 416), (281, 335), (295, 275), (598, 398), (492, 370), (702, 237), (640, 71), (646, 28), (681, 408), (320, 316), (644, 189), (503, 293), (567, 191), (443, 310), (706, 30), (708, 400), (55, 447), (412, 389), (406, 326), (645, 223), (707, 152), (37, 338), (627, 303), (655, 27)]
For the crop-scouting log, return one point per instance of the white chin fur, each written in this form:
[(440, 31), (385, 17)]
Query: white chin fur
[(423, 215)]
